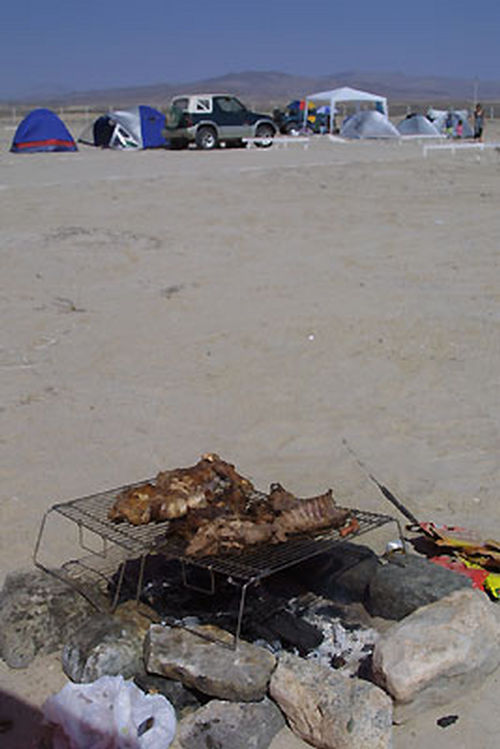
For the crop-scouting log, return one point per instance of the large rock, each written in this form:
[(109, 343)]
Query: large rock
[(37, 613), (103, 646), (231, 725), (330, 710), (438, 652), (408, 582), (213, 668)]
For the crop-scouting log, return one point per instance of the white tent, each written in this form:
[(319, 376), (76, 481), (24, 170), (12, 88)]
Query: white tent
[(344, 95)]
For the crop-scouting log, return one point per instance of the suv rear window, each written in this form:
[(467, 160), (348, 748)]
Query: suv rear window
[(202, 105)]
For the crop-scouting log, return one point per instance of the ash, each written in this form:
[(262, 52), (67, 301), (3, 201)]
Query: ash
[(345, 646)]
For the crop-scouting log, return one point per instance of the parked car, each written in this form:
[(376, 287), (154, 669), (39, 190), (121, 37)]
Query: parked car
[(290, 121), (211, 119)]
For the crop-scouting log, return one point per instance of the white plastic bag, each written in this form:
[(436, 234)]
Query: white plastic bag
[(109, 713)]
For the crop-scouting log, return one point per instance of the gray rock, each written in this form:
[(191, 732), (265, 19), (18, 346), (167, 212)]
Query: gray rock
[(330, 710), (37, 613), (240, 675), (439, 652), (341, 574), (407, 582), (231, 725), (183, 699), (103, 646)]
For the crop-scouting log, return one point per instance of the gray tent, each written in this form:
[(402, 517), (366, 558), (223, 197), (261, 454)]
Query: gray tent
[(418, 125), (369, 124)]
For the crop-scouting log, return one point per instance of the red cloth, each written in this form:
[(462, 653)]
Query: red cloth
[(456, 565)]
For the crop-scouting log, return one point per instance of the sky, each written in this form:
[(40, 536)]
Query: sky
[(59, 46)]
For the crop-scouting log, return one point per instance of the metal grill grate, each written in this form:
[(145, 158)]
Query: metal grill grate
[(91, 512)]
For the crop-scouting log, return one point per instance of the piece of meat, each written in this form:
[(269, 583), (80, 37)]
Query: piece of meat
[(309, 515), (137, 505), (281, 499), (223, 535), (177, 492), (270, 519)]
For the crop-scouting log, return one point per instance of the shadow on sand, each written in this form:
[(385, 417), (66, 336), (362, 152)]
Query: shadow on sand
[(20, 724)]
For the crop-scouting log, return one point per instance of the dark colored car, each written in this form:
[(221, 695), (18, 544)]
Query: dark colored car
[(211, 119), (291, 120)]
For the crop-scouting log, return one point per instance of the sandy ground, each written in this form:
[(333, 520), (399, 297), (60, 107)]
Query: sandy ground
[(263, 305)]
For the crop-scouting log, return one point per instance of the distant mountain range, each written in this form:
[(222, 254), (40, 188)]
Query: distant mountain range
[(276, 89)]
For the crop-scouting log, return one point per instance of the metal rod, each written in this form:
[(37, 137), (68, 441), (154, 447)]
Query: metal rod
[(140, 578), (209, 591), (385, 491), (101, 553), (39, 539), (119, 584), (240, 613)]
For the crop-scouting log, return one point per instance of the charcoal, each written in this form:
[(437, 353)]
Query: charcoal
[(292, 631)]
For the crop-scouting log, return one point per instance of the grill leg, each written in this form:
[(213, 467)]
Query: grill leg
[(140, 579), (119, 584), (240, 613)]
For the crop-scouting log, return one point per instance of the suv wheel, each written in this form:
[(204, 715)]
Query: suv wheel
[(266, 134), (206, 138)]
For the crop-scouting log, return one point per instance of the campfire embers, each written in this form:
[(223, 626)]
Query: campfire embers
[(187, 599), (215, 510), (281, 613)]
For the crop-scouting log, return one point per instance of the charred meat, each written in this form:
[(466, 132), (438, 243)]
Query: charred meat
[(214, 510), (174, 493), (271, 519)]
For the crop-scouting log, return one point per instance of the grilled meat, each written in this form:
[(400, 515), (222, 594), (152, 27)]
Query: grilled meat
[(227, 534), (174, 493), (270, 519), (308, 515), (215, 510)]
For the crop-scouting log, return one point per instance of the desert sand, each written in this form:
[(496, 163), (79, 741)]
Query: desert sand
[(262, 304)]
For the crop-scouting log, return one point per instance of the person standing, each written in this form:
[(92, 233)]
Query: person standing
[(478, 122)]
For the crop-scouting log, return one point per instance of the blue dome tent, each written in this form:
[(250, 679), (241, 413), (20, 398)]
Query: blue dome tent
[(42, 130), (129, 129)]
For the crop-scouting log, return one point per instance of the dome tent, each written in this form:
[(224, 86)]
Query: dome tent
[(418, 125), (42, 131), (129, 129), (368, 124)]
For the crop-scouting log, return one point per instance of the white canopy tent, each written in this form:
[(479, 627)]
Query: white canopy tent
[(344, 95)]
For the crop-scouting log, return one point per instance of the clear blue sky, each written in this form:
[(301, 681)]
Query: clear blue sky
[(85, 44)]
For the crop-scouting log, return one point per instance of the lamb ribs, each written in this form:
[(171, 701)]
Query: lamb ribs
[(215, 510)]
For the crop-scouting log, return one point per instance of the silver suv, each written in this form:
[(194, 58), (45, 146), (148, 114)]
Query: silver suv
[(211, 119)]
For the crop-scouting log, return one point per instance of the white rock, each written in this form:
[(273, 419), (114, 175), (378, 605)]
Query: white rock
[(438, 652), (330, 710)]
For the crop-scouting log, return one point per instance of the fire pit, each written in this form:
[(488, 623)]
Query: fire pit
[(110, 545)]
